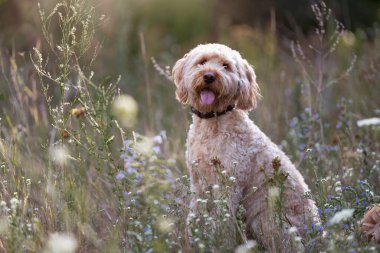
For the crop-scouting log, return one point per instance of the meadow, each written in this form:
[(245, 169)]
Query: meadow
[(92, 139)]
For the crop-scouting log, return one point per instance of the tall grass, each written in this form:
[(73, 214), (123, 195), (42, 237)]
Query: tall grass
[(76, 177)]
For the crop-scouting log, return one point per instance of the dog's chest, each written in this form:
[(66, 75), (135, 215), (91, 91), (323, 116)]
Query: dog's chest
[(212, 149)]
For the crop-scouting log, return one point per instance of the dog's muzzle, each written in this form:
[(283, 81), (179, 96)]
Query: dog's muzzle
[(209, 77)]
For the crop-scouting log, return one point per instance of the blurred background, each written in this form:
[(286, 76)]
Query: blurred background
[(134, 31), (74, 169)]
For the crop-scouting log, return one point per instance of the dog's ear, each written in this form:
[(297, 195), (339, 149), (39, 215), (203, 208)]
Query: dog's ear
[(248, 90), (177, 72)]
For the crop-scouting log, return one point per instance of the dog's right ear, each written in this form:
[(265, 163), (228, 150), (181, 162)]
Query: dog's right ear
[(177, 72)]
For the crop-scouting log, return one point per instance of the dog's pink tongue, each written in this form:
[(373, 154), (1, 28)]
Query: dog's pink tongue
[(207, 97)]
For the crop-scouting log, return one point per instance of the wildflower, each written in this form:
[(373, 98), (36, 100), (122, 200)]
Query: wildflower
[(215, 187), (77, 112), (274, 192), (165, 225), (368, 122), (59, 154), (138, 177), (348, 38), (147, 231), (125, 110), (3, 207), (292, 230), (246, 247), (14, 203), (120, 175), (156, 149), (293, 123), (343, 215), (61, 243), (144, 145), (158, 139), (126, 194), (233, 179)]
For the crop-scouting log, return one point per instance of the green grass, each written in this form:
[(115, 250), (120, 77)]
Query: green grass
[(85, 166)]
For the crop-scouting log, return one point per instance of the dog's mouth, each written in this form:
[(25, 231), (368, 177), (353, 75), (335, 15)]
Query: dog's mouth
[(207, 96)]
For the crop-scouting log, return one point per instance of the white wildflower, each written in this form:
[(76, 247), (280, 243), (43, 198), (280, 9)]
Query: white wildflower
[(338, 187), (3, 207), (61, 243), (158, 139), (14, 203), (343, 215), (125, 109), (59, 154), (165, 225), (273, 192), (292, 230), (233, 179), (246, 247), (215, 187), (144, 145), (368, 122)]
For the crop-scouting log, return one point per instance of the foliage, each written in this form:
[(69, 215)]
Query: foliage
[(74, 172)]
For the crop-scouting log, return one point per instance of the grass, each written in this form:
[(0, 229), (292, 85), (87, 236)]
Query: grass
[(80, 172)]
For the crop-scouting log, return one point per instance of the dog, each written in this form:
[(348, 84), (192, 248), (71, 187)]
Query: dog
[(220, 87)]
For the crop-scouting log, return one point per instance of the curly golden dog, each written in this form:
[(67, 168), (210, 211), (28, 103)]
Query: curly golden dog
[(220, 86)]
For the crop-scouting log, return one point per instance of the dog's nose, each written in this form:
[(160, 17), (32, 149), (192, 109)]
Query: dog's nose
[(209, 77)]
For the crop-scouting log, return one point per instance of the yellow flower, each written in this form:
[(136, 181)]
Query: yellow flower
[(77, 112)]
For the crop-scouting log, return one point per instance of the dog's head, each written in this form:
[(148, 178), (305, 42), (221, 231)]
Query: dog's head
[(212, 76)]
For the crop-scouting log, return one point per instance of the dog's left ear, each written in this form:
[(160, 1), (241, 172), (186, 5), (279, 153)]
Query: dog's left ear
[(177, 73), (249, 91)]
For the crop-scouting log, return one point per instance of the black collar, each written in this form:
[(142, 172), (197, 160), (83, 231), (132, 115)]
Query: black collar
[(212, 114)]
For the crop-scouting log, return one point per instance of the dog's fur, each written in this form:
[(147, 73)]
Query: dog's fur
[(240, 146)]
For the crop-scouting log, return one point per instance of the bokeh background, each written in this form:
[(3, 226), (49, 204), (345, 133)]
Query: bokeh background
[(261, 30), (67, 166)]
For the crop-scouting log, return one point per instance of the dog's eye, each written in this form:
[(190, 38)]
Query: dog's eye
[(226, 66), (203, 62)]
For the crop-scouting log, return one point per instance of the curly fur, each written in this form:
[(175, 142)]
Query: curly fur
[(240, 146)]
